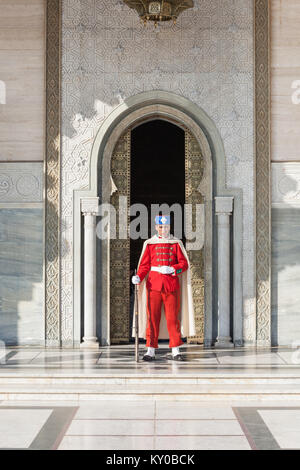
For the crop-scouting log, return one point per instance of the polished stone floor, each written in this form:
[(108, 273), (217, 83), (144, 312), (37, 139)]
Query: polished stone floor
[(151, 424), (120, 359), (127, 425)]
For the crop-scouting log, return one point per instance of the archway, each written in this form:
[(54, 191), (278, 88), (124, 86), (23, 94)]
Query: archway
[(182, 112), (196, 182), (154, 163)]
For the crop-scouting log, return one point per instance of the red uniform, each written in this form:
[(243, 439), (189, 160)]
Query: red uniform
[(162, 288)]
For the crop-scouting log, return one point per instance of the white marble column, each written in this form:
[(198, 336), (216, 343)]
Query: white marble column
[(89, 208), (223, 208)]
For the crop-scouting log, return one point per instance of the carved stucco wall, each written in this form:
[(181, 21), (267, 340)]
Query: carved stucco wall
[(107, 56)]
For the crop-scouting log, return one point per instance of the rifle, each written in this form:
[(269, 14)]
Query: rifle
[(136, 324)]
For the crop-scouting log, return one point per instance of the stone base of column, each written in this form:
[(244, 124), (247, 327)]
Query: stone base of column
[(89, 343), (224, 342), (263, 343)]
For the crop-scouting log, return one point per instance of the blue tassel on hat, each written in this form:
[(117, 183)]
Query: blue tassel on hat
[(162, 220)]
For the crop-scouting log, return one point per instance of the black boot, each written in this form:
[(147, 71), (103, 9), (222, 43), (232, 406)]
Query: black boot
[(178, 358), (148, 358)]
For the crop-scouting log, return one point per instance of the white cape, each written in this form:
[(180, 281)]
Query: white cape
[(186, 314)]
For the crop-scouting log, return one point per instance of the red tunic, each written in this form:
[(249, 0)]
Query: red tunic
[(162, 254)]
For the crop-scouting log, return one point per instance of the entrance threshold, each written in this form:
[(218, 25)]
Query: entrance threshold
[(113, 374)]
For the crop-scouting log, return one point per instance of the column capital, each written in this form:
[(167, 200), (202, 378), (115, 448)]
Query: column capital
[(89, 205), (224, 205)]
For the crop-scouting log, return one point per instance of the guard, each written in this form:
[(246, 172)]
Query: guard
[(164, 280)]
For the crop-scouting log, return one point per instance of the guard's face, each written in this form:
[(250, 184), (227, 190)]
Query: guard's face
[(163, 230)]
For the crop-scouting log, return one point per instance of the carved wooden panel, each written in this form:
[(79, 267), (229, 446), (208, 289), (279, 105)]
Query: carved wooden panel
[(120, 249), (194, 167)]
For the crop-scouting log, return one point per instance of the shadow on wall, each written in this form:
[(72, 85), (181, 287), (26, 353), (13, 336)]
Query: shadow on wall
[(21, 276), (108, 55), (109, 63)]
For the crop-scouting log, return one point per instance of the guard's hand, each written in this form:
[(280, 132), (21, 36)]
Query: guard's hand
[(167, 270), (135, 279)]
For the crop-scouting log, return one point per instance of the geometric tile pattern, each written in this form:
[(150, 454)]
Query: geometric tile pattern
[(120, 249), (194, 171), (146, 425)]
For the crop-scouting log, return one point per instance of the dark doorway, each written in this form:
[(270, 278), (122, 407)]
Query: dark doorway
[(157, 172)]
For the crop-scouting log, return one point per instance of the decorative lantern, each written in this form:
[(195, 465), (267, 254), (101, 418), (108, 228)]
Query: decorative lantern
[(159, 10)]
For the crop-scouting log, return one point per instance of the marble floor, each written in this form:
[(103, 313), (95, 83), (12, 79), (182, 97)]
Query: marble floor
[(127, 425), (152, 424), (121, 360)]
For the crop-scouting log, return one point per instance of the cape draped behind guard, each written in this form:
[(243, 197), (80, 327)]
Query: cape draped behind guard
[(186, 313)]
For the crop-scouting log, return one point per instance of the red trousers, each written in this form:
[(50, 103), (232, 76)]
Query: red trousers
[(171, 302)]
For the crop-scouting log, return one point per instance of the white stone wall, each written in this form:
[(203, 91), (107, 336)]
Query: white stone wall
[(285, 121), (22, 76), (206, 57), (22, 143)]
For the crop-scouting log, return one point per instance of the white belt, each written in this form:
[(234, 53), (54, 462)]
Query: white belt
[(156, 268)]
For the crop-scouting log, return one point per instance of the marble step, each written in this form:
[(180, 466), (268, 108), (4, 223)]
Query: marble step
[(182, 379), (77, 391)]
